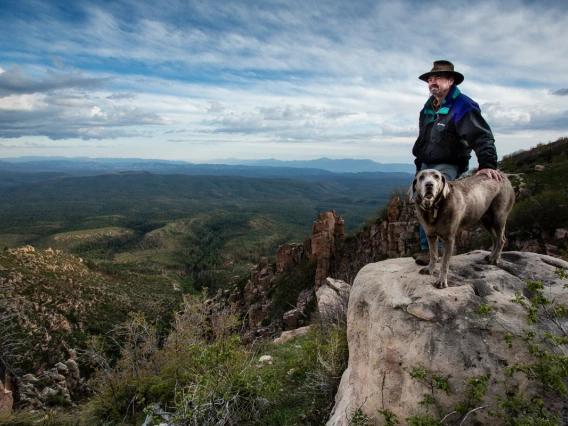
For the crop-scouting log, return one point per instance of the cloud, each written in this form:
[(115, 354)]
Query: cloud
[(505, 119), (73, 117), (177, 131), (56, 61), (290, 122), (215, 107), (66, 106), (119, 96), (13, 82), (560, 92)]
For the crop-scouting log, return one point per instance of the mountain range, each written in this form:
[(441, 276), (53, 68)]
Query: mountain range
[(82, 166)]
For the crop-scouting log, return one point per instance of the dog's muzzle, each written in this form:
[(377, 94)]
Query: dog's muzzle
[(428, 198)]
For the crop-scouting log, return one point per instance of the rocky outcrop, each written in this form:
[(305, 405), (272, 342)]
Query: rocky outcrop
[(58, 386), (327, 237), (6, 399), (289, 255), (255, 298), (397, 321), (255, 293)]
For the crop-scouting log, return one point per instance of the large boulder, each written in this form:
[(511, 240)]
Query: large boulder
[(397, 321)]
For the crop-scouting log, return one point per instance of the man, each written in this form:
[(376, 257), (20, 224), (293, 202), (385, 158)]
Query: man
[(450, 127)]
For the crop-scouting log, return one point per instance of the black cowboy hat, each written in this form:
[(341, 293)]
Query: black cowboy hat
[(445, 67)]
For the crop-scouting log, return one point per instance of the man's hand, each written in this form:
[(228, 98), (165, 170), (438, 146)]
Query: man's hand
[(492, 174)]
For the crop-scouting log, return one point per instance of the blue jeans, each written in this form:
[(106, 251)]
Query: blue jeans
[(451, 173)]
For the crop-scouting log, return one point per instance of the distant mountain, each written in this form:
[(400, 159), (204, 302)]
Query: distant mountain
[(346, 165), (312, 170)]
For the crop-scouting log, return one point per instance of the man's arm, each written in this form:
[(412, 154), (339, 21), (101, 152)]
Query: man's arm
[(475, 130)]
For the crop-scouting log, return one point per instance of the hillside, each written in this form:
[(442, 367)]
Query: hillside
[(540, 177), (81, 202), (204, 225), (52, 303)]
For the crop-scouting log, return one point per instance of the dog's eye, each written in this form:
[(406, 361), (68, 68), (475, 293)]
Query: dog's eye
[(421, 177), (436, 177)]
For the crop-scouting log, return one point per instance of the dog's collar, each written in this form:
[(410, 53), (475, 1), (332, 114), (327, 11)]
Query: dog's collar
[(433, 211)]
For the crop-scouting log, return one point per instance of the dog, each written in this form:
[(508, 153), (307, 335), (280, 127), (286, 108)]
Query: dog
[(446, 207)]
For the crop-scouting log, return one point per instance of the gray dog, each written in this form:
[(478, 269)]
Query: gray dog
[(446, 207)]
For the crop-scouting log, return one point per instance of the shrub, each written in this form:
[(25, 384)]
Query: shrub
[(540, 213), (196, 375), (328, 353), (201, 374), (284, 293)]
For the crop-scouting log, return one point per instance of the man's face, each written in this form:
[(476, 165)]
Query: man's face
[(439, 85)]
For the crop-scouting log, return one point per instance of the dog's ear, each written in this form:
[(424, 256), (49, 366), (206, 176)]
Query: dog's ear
[(411, 190), (446, 190)]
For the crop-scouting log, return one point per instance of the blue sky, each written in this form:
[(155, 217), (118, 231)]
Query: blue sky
[(201, 80)]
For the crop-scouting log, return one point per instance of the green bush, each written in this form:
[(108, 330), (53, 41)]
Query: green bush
[(284, 293), (546, 211), (194, 374)]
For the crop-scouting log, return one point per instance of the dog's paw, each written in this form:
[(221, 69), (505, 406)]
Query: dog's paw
[(492, 261), (441, 283), (426, 271)]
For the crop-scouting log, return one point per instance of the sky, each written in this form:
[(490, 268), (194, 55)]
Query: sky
[(286, 79)]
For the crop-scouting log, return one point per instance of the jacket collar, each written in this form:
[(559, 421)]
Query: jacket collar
[(446, 103)]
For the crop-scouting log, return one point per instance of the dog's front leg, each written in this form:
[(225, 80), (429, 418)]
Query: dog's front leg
[(442, 281), (433, 249)]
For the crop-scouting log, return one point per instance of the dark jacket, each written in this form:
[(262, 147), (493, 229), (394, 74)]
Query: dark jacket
[(449, 135)]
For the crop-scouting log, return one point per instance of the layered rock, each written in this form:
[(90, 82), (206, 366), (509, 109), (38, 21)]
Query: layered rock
[(397, 321), (255, 293), (327, 236), (289, 255)]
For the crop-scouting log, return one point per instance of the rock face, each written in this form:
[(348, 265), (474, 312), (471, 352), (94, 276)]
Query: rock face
[(288, 255), (397, 321), (327, 235), (255, 292), (6, 399)]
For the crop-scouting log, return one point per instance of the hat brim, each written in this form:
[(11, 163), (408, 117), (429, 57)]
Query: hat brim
[(458, 77)]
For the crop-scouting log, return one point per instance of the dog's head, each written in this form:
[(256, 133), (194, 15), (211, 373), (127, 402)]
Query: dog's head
[(429, 186)]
